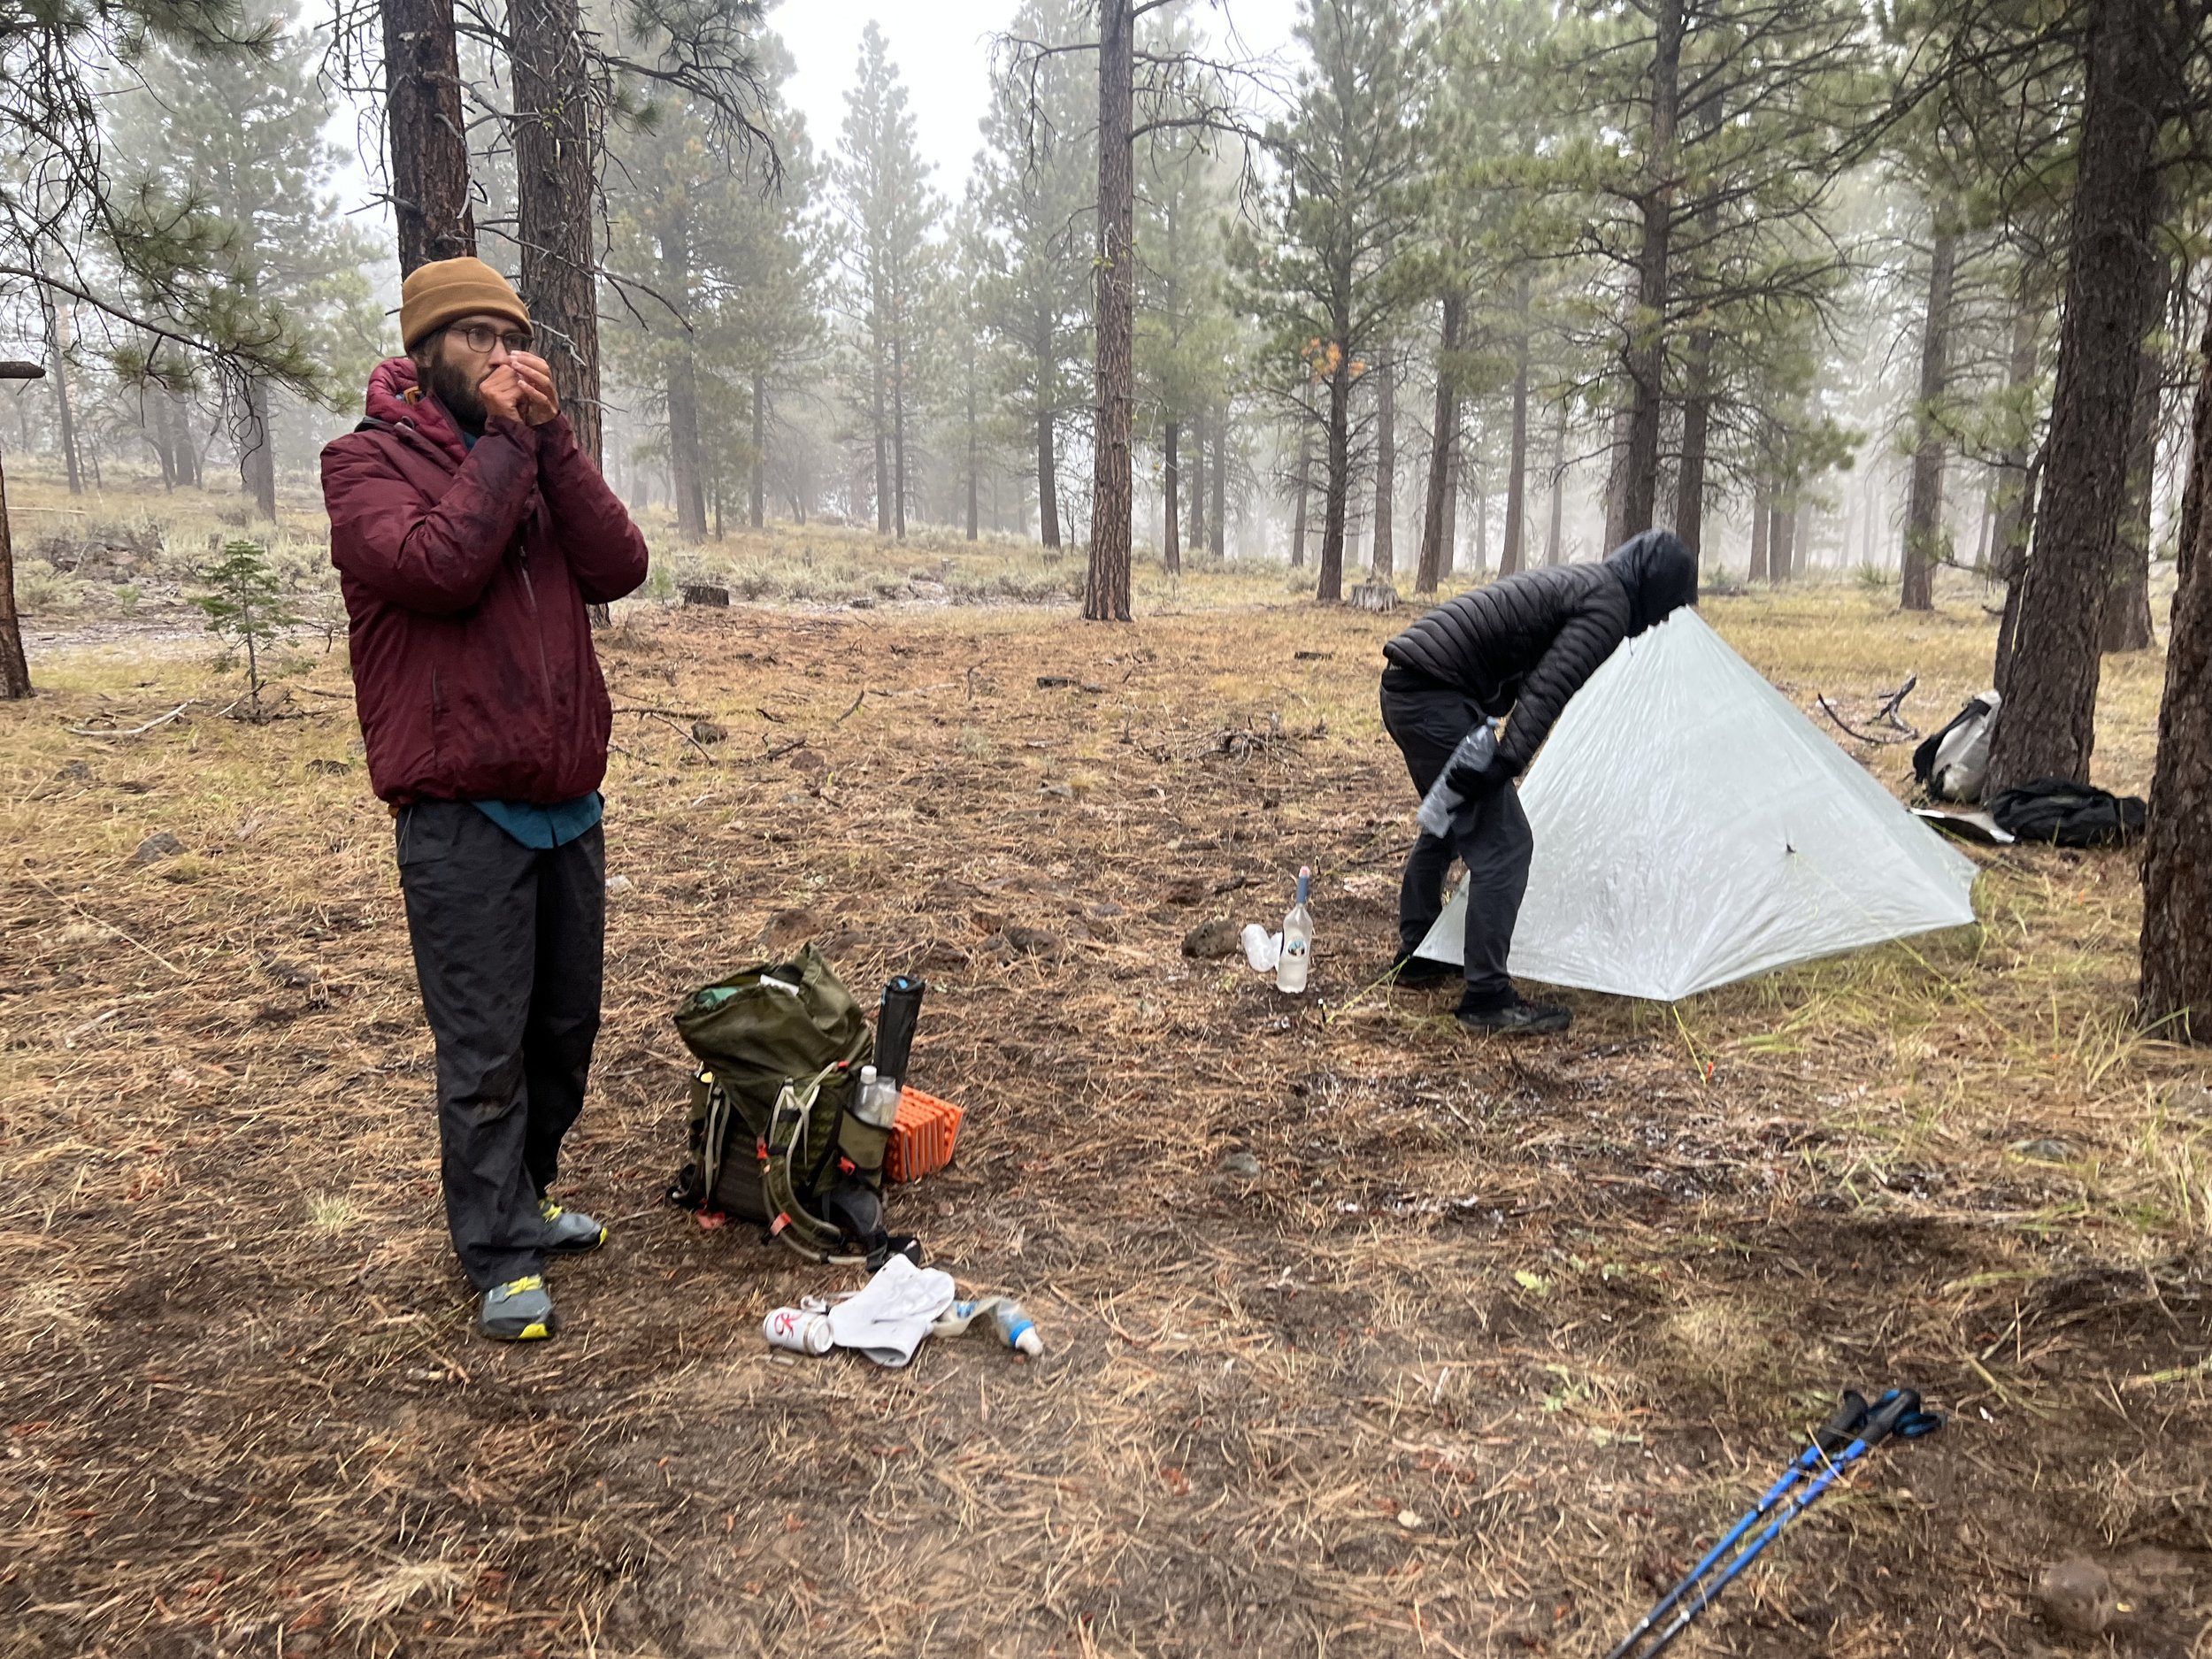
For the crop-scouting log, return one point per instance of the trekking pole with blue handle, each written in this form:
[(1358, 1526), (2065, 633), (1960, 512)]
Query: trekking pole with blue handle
[(1834, 1436), (1898, 1413)]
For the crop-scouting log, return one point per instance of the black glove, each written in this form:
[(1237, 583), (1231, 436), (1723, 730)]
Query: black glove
[(1473, 781)]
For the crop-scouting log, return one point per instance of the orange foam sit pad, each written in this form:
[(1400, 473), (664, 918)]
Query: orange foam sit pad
[(921, 1136)]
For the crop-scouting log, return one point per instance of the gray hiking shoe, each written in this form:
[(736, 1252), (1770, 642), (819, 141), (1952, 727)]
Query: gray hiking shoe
[(517, 1311), (570, 1232), (1516, 1018)]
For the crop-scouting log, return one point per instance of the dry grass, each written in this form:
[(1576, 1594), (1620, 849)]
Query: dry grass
[(1494, 1336)]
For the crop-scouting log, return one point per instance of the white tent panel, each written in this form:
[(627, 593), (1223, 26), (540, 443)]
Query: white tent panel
[(1693, 827)]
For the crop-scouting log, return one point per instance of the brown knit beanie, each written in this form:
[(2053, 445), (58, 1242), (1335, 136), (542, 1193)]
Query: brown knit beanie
[(436, 294)]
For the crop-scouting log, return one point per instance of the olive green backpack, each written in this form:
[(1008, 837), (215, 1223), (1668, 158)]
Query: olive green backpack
[(774, 1139)]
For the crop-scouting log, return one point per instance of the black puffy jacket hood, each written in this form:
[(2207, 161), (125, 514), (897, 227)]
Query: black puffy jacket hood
[(1659, 572)]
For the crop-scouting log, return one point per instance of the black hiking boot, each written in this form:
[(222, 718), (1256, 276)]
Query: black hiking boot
[(1416, 971), (1516, 1018)]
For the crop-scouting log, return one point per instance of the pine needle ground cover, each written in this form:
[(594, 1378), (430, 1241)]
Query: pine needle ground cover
[(1363, 1337)]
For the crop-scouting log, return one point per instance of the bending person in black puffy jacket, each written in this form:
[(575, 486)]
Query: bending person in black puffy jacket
[(1521, 648)]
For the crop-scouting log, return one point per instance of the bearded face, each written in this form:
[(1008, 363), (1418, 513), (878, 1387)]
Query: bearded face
[(452, 375)]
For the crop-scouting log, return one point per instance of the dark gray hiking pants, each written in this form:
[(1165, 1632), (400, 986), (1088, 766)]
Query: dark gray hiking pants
[(508, 945), (1490, 835)]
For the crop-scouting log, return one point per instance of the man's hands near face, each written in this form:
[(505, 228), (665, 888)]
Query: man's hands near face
[(521, 390), (539, 404)]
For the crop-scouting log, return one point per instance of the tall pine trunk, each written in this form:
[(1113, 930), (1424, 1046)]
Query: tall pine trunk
[(2050, 690), (1554, 549), (1645, 358), (15, 672), (556, 194), (64, 415), (1170, 547), (1218, 526), (426, 146), (1781, 555), (759, 514), (2127, 608), (1337, 479), (2176, 997), (2009, 536), (898, 432), (685, 465), (1448, 547), (879, 403), (1924, 501), (257, 449), (1443, 442), (1106, 586), (1514, 556), (1048, 483), (1761, 526), (1384, 558), (1198, 483), (1697, 423)]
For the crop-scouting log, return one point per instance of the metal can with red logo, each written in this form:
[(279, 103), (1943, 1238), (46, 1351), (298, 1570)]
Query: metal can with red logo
[(803, 1330)]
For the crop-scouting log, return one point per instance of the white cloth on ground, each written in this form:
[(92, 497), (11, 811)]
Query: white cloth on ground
[(888, 1318)]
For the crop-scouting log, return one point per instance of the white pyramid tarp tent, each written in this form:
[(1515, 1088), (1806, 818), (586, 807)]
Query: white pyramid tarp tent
[(1694, 828)]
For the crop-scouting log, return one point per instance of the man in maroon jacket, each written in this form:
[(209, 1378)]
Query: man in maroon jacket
[(469, 533)]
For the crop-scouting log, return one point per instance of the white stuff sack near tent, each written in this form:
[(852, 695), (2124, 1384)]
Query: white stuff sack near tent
[(1693, 827)]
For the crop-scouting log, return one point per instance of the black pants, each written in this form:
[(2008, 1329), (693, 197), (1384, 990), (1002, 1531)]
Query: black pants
[(508, 947), (1490, 835)]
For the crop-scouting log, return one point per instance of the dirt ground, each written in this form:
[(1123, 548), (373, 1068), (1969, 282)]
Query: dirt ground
[(1365, 1338)]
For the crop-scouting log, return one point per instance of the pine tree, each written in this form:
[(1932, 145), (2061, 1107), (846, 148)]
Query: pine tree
[(1333, 277), (1037, 178), (250, 154), (888, 209)]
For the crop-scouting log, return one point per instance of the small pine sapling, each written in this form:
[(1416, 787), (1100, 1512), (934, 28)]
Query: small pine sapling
[(245, 607)]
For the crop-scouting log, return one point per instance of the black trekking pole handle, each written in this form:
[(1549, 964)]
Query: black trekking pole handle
[(1898, 1413), (1831, 1437)]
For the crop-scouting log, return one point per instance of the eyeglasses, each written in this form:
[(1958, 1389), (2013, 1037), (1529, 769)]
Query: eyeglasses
[(481, 337)]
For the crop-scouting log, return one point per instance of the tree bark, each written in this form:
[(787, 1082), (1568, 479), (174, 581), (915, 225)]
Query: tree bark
[(426, 146), (760, 450), (1646, 356), (64, 416), (1218, 526), (556, 193), (1697, 421), (1385, 554), (1761, 526), (15, 672), (1048, 483), (1443, 441), (257, 450), (1514, 557), (1924, 501), (684, 463), (880, 399), (1554, 549), (2049, 728), (1336, 483), (1106, 587), (2127, 607), (2176, 993), (1448, 549), (898, 432), (1198, 484), (1170, 549), (1781, 554)]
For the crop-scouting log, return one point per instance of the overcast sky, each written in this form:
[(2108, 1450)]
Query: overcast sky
[(942, 48)]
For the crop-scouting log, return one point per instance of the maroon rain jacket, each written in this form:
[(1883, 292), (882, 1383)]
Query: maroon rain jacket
[(465, 573)]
